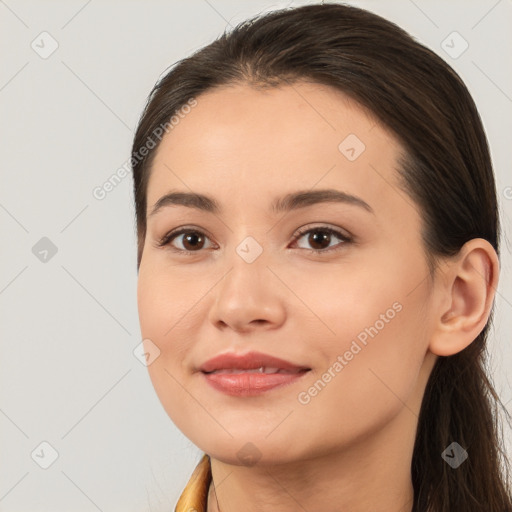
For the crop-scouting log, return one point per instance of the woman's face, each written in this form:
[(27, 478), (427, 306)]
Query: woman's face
[(351, 305)]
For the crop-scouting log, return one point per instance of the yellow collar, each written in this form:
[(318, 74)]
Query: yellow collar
[(195, 495)]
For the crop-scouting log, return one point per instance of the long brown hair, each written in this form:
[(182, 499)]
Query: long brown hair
[(445, 168)]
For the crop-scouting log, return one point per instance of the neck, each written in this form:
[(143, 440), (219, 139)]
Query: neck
[(372, 474)]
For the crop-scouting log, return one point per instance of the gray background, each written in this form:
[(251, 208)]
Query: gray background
[(69, 323)]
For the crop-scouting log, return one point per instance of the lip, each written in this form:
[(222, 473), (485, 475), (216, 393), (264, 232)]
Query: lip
[(241, 382), (248, 361)]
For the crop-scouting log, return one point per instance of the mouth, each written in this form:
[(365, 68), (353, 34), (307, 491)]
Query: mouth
[(247, 383), (250, 374), (260, 370), (253, 362)]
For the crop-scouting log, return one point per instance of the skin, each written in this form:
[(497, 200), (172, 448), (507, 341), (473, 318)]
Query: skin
[(350, 447)]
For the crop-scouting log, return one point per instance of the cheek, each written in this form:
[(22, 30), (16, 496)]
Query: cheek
[(166, 315), (371, 343), (171, 308), (349, 303), (168, 306), (370, 378)]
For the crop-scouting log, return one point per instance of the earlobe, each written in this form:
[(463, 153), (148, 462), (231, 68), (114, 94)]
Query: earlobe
[(466, 297)]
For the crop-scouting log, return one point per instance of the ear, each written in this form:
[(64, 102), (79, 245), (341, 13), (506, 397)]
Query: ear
[(466, 296)]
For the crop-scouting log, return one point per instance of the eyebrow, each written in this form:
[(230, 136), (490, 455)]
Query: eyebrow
[(289, 202)]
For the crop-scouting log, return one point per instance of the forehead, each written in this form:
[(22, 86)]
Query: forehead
[(247, 145)]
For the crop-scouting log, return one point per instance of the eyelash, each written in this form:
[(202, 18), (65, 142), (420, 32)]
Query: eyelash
[(169, 237)]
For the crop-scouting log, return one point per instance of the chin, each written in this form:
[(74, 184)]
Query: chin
[(248, 450)]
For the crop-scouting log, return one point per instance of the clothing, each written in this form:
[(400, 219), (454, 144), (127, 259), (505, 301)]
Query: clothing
[(194, 497)]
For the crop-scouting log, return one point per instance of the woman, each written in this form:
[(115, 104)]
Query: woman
[(318, 258)]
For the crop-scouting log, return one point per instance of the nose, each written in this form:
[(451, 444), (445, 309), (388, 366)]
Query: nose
[(249, 297)]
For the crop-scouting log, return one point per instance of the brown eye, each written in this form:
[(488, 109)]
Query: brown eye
[(192, 241), (185, 240), (320, 238)]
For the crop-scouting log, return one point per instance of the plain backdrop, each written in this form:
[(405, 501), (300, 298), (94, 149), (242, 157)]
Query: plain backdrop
[(74, 78)]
